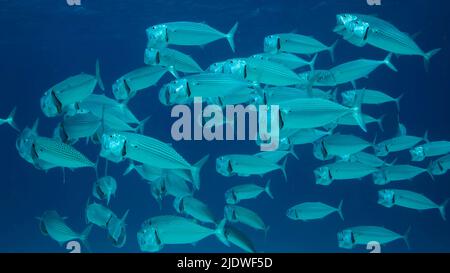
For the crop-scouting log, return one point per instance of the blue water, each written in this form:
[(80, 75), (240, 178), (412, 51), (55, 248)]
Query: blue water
[(43, 42)]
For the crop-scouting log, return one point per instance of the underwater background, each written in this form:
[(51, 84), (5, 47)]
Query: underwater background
[(45, 41)]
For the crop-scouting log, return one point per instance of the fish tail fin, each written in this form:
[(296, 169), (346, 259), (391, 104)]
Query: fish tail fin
[(220, 232), (429, 172), (172, 71), (267, 189), (425, 137), (124, 217), (34, 129), (339, 210), (86, 209), (196, 171), (266, 230), (11, 119), (130, 167), (427, 57), (380, 122), (312, 63), (97, 75), (96, 167), (84, 236), (397, 101), (292, 151), (357, 114), (406, 237), (387, 61), (140, 128), (283, 168), (331, 50), (230, 36), (442, 208)]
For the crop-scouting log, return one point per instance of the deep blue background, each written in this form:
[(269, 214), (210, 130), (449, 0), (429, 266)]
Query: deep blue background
[(43, 42)]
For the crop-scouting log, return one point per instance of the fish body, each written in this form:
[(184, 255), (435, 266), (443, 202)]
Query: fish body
[(186, 34), (312, 211), (342, 170)]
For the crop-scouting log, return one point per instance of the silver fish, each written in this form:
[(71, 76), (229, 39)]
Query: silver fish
[(129, 84), (172, 59), (341, 170), (430, 149), (362, 235), (247, 191), (312, 211), (408, 199), (186, 33)]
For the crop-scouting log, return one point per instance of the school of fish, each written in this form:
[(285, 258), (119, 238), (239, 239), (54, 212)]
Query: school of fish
[(285, 75)]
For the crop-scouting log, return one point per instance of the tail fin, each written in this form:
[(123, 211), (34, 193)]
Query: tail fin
[(140, 128), (265, 232), (380, 122), (357, 114), (220, 232), (86, 209), (429, 172), (406, 237), (397, 101), (172, 71), (34, 129), (331, 50), (442, 208), (130, 167), (84, 236), (312, 63), (292, 151), (230, 35), (10, 119), (428, 56), (339, 210), (283, 168), (196, 171), (267, 189), (387, 61), (97, 75), (425, 137)]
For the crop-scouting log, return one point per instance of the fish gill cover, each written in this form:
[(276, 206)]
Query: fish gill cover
[(212, 126)]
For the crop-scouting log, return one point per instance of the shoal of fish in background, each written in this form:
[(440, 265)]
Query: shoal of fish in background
[(311, 112)]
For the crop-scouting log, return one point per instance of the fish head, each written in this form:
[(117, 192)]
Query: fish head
[(116, 231), (348, 98), (417, 154), (113, 147), (223, 166), (152, 56), (157, 36), (237, 67), (379, 178), (148, 238), (272, 44), (216, 67), (386, 198), (158, 189), (120, 90), (380, 149), (292, 213), (230, 197), (319, 150), (178, 204), (24, 144), (345, 18), (323, 175), (175, 92), (346, 239), (230, 213), (436, 168), (48, 106)]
